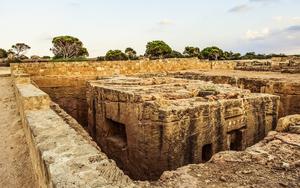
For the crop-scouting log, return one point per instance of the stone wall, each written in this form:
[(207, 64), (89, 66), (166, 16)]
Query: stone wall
[(285, 66), (65, 82), (174, 122), (61, 156)]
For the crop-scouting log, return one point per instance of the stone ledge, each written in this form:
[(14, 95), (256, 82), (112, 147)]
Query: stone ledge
[(60, 156), (69, 159), (32, 98), (21, 78)]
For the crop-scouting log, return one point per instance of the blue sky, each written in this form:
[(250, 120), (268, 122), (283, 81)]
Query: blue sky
[(264, 26)]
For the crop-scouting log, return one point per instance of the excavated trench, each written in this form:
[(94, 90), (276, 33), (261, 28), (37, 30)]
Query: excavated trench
[(162, 141)]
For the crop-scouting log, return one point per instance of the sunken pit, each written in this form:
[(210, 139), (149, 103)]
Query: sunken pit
[(161, 116)]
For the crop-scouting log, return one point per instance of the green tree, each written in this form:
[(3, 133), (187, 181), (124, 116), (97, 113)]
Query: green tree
[(174, 54), (115, 55), (22, 57), (35, 57), (19, 49), (131, 53), (212, 53), (253, 55), (231, 55), (190, 51), (236, 56), (158, 49), (68, 47), (249, 55), (3, 53), (46, 57), (277, 55)]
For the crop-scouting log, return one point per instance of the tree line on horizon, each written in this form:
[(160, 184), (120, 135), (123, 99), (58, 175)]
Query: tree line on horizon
[(71, 48)]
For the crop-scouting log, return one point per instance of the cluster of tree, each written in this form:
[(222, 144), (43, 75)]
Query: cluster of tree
[(69, 47), (159, 49), (16, 53), (118, 55), (64, 47), (253, 55)]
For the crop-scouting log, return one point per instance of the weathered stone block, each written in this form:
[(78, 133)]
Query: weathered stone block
[(174, 121), (32, 98)]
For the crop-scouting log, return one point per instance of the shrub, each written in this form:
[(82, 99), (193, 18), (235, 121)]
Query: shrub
[(115, 55), (157, 49), (3, 53), (191, 51)]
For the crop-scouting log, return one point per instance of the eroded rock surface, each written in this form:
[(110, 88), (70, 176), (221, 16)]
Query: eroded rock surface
[(273, 162), (289, 124)]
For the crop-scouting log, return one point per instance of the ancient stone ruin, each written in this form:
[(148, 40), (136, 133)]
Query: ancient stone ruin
[(177, 123), (174, 122)]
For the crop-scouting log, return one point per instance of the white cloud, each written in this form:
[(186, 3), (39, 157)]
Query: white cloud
[(73, 3), (283, 40), (264, 1), (291, 37), (278, 18), (295, 20), (165, 22), (240, 8), (161, 26), (257, 35), (287, 20)]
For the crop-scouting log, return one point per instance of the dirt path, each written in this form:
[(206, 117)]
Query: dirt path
[(15, 164)]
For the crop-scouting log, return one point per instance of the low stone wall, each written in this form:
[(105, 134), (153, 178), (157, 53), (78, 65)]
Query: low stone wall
[(61, 157), (109, 68), (287, 66), (65, 82)]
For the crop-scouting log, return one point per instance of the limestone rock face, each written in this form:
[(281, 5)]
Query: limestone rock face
[(289, 124), (149, 125), (273, 162)]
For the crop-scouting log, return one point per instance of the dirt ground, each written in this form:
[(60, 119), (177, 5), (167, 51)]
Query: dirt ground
[(15, 164)]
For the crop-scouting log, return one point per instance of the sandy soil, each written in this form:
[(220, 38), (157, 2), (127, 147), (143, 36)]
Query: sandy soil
[(15, 164)]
